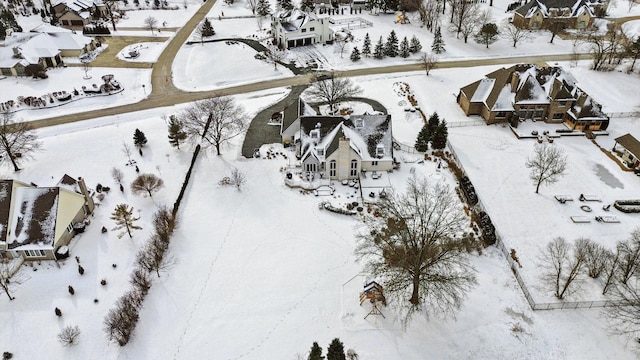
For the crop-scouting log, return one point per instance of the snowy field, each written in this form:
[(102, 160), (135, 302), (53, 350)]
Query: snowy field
[(147, 52)]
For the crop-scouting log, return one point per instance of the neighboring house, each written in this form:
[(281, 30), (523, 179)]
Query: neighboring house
[(339, 148), (566, 14), (297, 28), (35, 222), (531, 92), (76, 14), (630, 152), (44, 45)]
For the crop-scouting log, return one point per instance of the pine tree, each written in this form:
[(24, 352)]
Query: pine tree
[(391, 46), (404, 48), (487, 35), (335, 351), (422, 141), (139, 138), (285, 4), (263, 8), (123, 216), (439, 139), (414, 45), (307, 5), (207, 28), (438, 43), (378, 52), (366, 47), (433, 122), (316, 352), (355, 54), (176, 131)]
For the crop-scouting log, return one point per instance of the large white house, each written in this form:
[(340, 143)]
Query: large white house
[(297, 28)]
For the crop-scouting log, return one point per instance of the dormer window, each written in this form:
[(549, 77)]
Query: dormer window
[(315, 134), (359, 123), (380, 150), (320, 151)]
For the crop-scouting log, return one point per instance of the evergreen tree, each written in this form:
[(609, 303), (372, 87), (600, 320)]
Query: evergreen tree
[(307, 5), (123, 216), (414, 45), (366, 46), (355, 54), (285, 4), (404, 48), (439, 138), (391, 46), (139, 139), (316, 352), (487, 35), (263, 8), (438, 43), (422, 141), (432, 123), (176, 131), (335, 351), (207, 28), (378, 51)]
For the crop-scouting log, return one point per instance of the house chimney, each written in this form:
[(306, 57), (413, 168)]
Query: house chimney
[(87, 197), (515, 80)]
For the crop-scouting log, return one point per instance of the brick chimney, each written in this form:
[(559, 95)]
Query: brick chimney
[(515, 80), (87, 196)]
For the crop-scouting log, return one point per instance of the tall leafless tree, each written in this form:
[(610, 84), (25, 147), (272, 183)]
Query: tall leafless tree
[(413, 245), (333, 90), (17, 140), (214, 122), (596, 257), (563, 265), (428, 62), (514, 33), (146, 183), (275, 55), (9, 278), (121, 320), (150, 23), (629, 257), (624, 318), (463, 12), (547, 164), (153, 257)]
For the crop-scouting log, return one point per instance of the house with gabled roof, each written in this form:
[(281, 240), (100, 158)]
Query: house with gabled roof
[(37, 223), (567, 14), (339, 148), (76, 14), (531, 92), (295, 27), (629, 149)]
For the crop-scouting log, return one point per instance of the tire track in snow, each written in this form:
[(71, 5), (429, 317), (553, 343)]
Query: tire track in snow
[(206, 281), (312, 290)]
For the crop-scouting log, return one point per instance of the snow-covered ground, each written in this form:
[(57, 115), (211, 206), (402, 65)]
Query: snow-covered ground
[(147, 52), (262, 273)]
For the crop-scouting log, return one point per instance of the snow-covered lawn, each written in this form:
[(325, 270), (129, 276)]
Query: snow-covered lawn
[(147, 51), (631, 29), (165, 18)]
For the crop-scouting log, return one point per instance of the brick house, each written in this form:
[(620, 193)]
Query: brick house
[(567, 14), (531, 92)]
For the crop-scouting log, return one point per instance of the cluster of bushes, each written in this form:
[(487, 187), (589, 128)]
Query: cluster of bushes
[(627, 206), (468, 190), (122, 319), (335, 351), (488, 230)]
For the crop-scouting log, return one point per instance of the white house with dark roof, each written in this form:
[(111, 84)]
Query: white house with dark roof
[(339, 148), (629, 149), (36, 222), (298, 28)]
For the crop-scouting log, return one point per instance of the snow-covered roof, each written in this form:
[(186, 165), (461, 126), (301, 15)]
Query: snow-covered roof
[(294, 19), (48, 28), (561, 8), (80, 5), (484, 89), (34, 218)]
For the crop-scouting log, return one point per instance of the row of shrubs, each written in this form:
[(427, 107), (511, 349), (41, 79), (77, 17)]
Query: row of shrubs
[(627, 206), (121, 320)]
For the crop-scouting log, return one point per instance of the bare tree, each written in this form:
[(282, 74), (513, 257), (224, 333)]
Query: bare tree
[(9, 278), (555, 28), (122, 319), (17, 140), (333, 90), (140, 280), (624, 318), (69, 335), (123, 216), (515, 34), (275, 55), (164, 223), (429, 12), (150, 22), (252, 4), (112, 5), (547, 164), (146, 183), (342, 42), (563, 265), (117, 175), (629, 257), (595, 257), (126, 150), (428, 62), (238, 178), (86, 66), (153, 257), (214, 121), (413, 246), (463, 13)]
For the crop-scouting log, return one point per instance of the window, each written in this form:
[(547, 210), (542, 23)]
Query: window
[(380, 150), (312, 29), (359, 123), (374, 163), (320, 151), (70, 228), (580, 25), (332, 168), (310, 167), (34, 253), (303, 30), (354, 168), (558, 116), (501, 114), (562, 103), (315, 134)]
